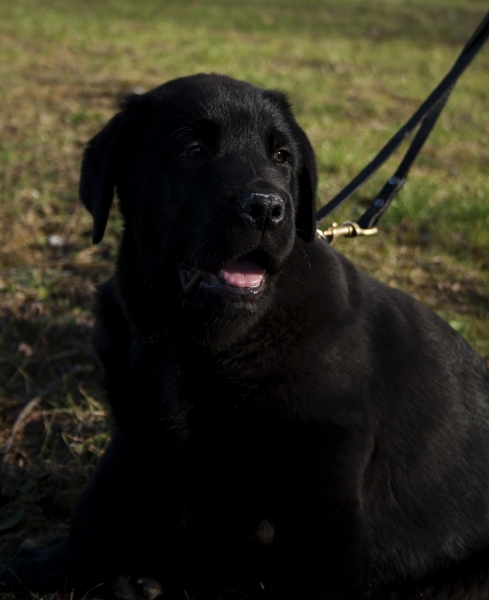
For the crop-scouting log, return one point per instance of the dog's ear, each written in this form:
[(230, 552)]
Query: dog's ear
[(307, 173), (100, 167), (308, 180)]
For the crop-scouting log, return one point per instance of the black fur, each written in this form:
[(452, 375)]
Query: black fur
[(324, 433)]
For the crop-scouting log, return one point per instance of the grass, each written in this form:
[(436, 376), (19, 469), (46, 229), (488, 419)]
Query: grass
[(355, 71)]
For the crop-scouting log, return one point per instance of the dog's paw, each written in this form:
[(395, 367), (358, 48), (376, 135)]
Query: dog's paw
[(123, 587)]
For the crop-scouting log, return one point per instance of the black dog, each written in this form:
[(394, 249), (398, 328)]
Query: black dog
[(276, 412)]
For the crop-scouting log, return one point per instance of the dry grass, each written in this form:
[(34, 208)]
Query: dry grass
[(355, 72)]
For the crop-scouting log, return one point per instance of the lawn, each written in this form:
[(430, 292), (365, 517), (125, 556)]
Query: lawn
[(354, 71)]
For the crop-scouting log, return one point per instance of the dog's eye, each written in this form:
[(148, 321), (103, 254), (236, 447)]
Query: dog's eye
[(280, 156), (195, 152)]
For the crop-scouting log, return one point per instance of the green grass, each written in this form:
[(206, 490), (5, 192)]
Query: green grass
[(354, 71)]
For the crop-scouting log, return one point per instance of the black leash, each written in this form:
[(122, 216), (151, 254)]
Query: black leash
[(427, 114)]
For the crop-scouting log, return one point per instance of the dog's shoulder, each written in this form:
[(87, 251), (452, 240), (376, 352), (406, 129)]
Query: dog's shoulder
[(355, 328), (382, 312)]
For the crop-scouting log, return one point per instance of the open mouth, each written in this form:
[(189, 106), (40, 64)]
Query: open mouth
[(243, 276)]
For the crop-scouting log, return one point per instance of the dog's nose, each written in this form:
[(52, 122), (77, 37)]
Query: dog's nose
[(266, 210)]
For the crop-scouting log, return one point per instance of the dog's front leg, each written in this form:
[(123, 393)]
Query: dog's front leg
[(128, 508), (313, 561), (318, 545)]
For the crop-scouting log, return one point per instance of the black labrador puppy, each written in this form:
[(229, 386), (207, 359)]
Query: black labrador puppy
[(277, 414)]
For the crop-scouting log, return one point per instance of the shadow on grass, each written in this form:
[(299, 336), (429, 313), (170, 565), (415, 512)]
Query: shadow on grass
[(54, 425)]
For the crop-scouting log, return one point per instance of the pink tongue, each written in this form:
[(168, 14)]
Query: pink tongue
[(243, 273)]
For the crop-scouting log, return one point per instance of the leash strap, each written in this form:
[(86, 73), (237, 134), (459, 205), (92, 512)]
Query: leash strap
[(427, 114)]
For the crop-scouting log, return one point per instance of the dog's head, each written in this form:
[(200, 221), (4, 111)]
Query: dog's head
[(215, 180)]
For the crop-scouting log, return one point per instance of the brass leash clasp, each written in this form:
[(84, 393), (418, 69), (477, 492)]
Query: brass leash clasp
[(346, 229)]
